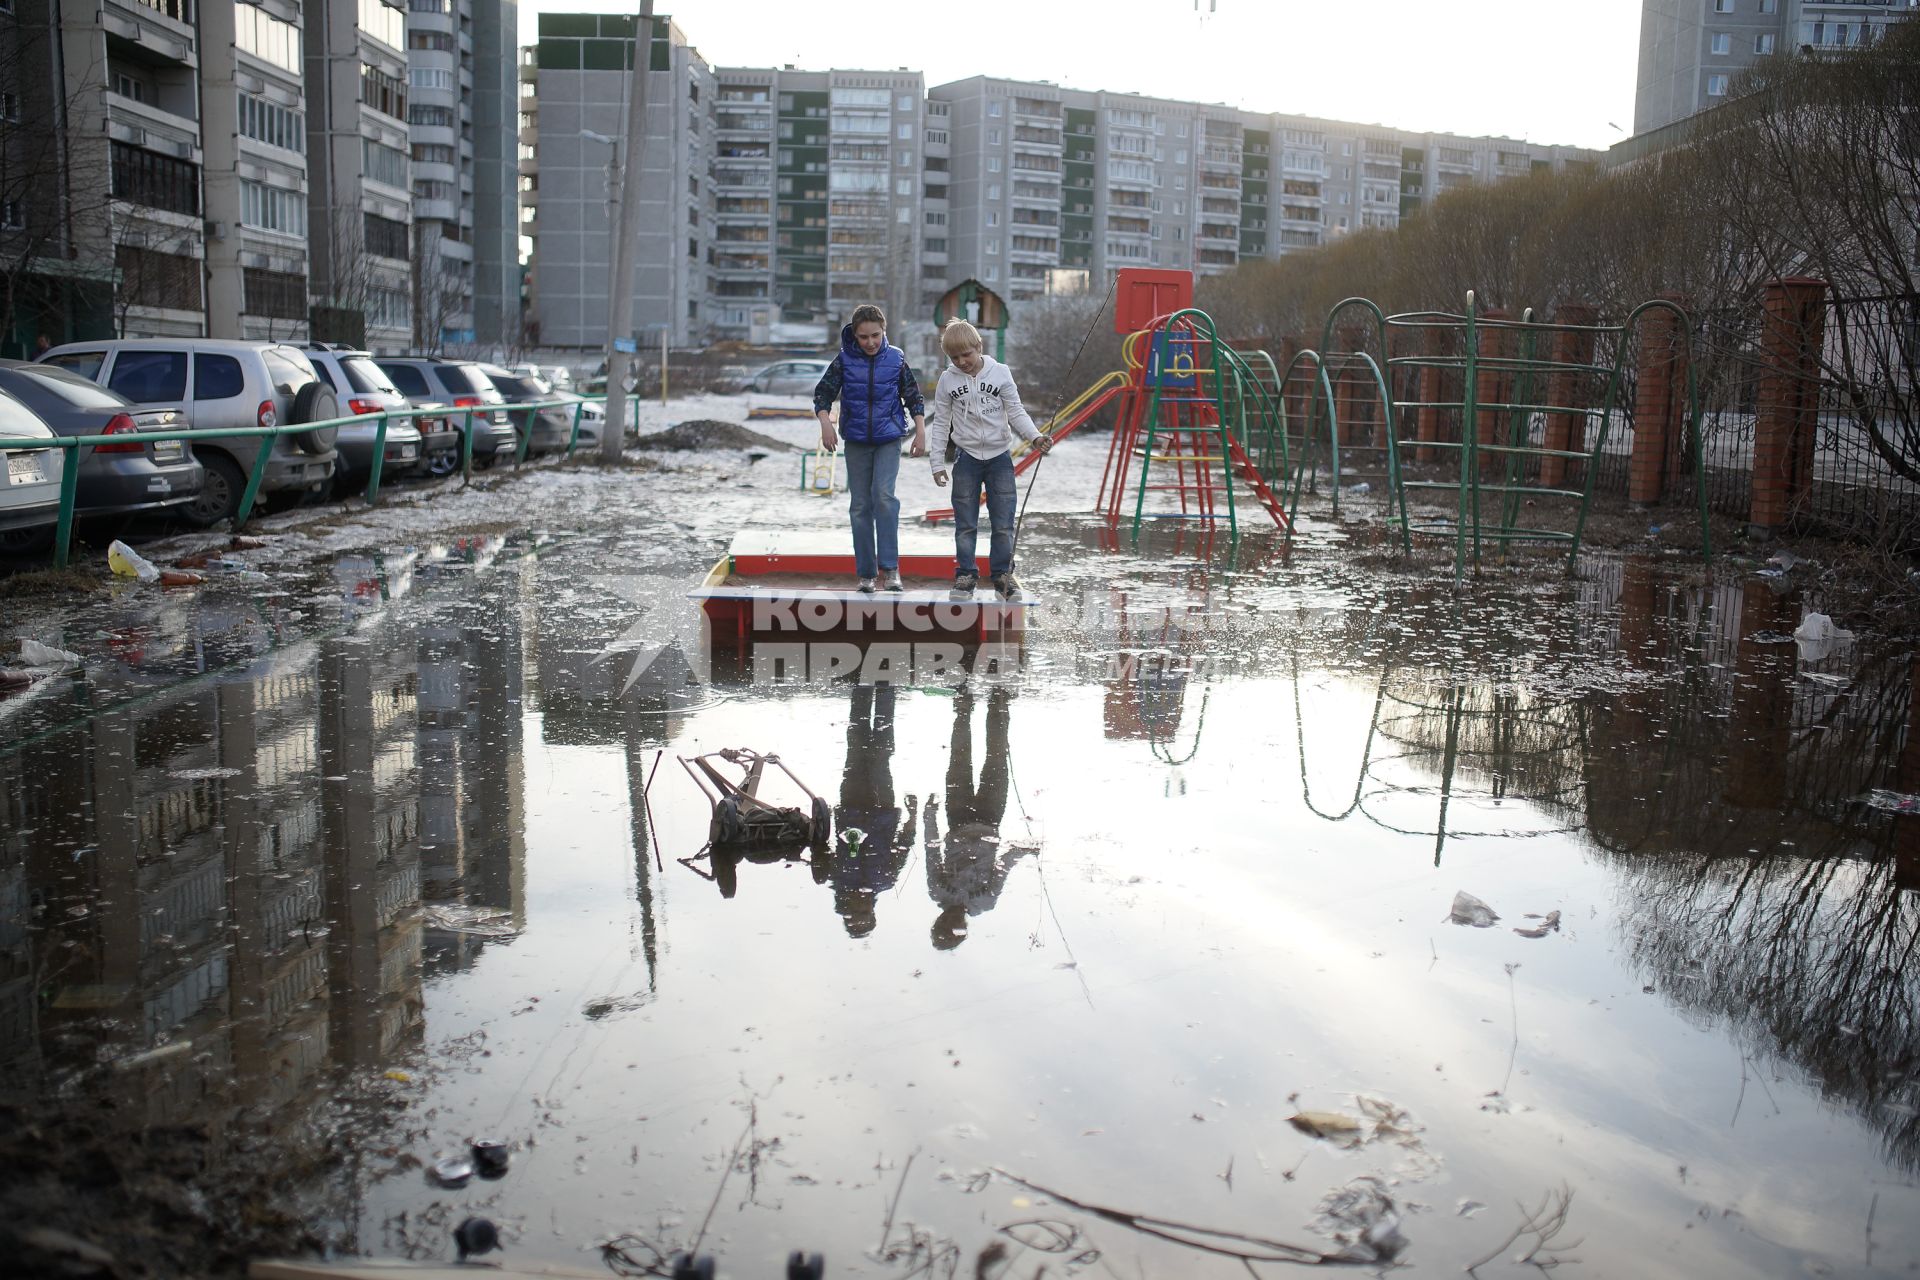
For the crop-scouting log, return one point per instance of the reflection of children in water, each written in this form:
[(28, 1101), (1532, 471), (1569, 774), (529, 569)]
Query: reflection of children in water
[(860, 874), (965, 871)]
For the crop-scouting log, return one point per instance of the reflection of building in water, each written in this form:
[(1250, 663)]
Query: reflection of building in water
[(367, 726), (582, 656), (472, 816)]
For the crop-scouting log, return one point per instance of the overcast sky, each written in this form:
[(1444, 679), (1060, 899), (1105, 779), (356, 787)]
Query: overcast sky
[(1544, 70)]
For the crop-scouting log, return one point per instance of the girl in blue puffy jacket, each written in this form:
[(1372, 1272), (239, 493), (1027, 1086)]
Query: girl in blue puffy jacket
[(877, 393)]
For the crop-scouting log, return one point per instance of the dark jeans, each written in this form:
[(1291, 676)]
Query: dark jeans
[(969, 473)]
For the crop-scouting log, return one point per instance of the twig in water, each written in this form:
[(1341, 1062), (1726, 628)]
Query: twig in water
[(1227, 1244), (1227, 1177), (886, 1230), (1544, 1224), (733, 1158), (1871, 1206)]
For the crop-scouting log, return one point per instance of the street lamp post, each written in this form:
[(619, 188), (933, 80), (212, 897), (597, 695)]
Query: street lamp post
[(626, 231)]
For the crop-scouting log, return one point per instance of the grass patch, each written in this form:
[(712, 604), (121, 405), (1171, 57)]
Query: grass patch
[(41, 583)]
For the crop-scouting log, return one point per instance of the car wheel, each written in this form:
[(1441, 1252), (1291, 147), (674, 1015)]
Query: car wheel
[(316, 402), (443, 464), (219, 496)]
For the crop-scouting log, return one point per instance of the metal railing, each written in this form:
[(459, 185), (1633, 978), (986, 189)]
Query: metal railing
[(527, 413)]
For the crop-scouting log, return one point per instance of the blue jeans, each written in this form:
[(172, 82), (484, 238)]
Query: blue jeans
[(871, 469), (969, 473)]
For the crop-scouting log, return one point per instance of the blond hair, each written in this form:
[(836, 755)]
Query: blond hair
[(960, 336)]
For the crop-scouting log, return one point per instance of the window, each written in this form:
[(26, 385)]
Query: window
[(272, 209), (435, 117), (1716, 86), (1722, 44), (993, 273), (126, 86), (383, 163), (267, 38), (903, 103), (903, 187), (993, 217), (430, 78), (1763, 44), (441, 41), (384, 23), (219, 377), (12, 216), (993, 191), (149, 279), (408, 379), (936, 219), (150, 377), (385, 237), (157, 181), (384, 93), (271, 123), (1723, 6), (1768, 6), (906, 158), (438, 153), (994, 109), (904, 132)]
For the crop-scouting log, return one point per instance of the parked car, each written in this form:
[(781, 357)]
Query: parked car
[(115, 479), (786, 377), (414, 445), (428, 380), (223, 382), (30, 498), (550, 428)]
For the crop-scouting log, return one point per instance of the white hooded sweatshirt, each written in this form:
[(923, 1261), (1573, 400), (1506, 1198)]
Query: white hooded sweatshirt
[(980, 413)]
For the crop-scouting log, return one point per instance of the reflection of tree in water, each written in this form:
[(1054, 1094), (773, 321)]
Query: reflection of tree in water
[(1752, 891)]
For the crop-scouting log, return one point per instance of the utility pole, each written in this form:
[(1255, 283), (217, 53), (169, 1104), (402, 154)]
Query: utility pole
[(626, 225)]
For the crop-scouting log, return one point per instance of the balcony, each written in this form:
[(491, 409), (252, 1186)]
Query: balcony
[(741, 179), (1047, 138), (1030, 162), (163, 29), (1217, 180)]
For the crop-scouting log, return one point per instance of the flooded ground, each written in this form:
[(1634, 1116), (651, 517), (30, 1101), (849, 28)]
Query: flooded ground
[(1158, 929)]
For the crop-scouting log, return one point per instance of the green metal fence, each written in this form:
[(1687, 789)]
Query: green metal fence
[(72, 445)]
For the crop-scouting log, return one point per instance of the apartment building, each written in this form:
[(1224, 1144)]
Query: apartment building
[(1693, 51), (573, 109), (359, 204), (816, 188), (495, 204), (1051, 188)]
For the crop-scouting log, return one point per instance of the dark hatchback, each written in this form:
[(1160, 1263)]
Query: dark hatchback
[(115, 479)]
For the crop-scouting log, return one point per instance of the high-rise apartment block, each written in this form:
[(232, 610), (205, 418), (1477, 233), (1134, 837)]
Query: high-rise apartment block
[(1693, 51), (573, 109), (245, 168), (824, 189)]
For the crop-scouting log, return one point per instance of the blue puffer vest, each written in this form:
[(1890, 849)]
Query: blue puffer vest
[(870, 408)]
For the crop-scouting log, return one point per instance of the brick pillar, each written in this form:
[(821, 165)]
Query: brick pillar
[(1350, 390), (1760, 722), (1491, 387), (1565, 387), (1433, 384), (1658, 404), (1793, 320)]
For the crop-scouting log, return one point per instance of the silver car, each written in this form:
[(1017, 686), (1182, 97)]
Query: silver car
[(223, 382), (787, 377), (30, 494)]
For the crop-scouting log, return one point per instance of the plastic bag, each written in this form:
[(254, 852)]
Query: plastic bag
[(35, 654), (128, 563)]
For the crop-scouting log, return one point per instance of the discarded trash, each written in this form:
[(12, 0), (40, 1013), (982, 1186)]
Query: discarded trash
[(181, 578), (1362, 1218), (1818, 626), (1468, 909), (1653, 530), (35, 654), (454, 1171), (479, 922), (1891, 801), (1362, 487), (475, 1236), (1783, 559), (1549, 923), (151, 1056), (491, 1156), (240, 543), (128, 563), (1331, 1126), (400, 1077)]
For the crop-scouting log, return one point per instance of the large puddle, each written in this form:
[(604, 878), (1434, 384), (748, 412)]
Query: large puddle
[(1159, 920)]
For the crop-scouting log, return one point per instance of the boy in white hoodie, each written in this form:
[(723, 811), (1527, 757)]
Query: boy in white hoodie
[(977, 406)]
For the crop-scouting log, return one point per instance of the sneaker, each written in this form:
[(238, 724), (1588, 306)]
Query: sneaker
[(865, 584), (963, 586), (890, 580), (1007, 585)]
